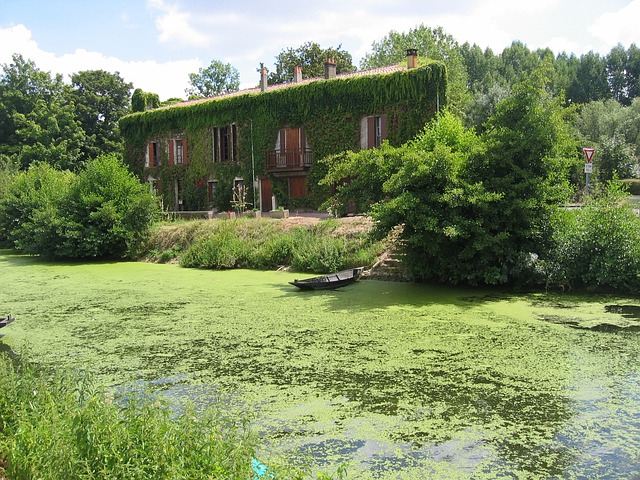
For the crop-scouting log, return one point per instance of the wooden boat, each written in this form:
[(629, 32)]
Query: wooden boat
[(6, 321), (329, 281)]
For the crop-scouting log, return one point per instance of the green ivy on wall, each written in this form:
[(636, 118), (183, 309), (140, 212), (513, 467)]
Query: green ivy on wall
[(328, 110)]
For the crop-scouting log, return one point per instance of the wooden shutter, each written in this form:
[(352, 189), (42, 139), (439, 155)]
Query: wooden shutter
[(172, 152), (185, 155), (371, 132), (298, 187)]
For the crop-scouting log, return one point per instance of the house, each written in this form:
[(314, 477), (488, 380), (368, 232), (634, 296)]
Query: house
[(268, 141)]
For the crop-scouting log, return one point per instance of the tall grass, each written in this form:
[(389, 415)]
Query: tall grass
[(266, 245), (57, 426), (62, 426)]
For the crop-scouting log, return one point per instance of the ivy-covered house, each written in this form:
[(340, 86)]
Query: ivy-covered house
[(269, 139)]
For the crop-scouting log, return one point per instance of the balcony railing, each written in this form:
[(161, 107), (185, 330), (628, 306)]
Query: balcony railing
[(291, 159)]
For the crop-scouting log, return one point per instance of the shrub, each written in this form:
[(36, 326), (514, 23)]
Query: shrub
[(596, 247), (30, 214), (220, 250), (107, 212)]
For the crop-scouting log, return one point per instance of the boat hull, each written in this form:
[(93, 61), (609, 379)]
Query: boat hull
[(6, 321), (330, 281)]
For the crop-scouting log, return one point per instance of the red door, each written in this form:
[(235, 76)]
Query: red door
[(265, 194)]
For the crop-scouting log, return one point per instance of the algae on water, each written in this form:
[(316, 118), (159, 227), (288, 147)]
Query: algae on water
[(398, 380)]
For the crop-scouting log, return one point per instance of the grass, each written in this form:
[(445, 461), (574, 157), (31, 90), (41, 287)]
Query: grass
[(63, 427), (262, 244), (393, 380)]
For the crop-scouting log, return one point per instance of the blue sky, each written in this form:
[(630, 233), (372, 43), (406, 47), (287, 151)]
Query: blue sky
[(155, 44)]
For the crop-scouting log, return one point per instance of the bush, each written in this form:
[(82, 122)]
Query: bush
[(107, 213), (247, 243), (103, 211), (30, 214), (596, 247)]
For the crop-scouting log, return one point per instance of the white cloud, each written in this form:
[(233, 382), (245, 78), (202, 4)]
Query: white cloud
[(167, 79), (618, 27), (175, 25)]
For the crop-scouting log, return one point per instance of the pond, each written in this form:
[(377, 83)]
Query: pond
[(396, 380)]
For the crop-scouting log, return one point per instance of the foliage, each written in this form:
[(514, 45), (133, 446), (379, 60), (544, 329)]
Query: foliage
[(37, 119), (311, 57), (265, 244), (101, 99), (616, 159), (216, 79), (61, 426), (529, 152), (101, 212), (430, 42), (623, 69), (596, 247), (472, 209), (107, 212), (30, 209), (141, 100)]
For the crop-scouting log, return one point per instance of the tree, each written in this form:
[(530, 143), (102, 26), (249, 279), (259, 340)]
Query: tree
[(623, 69), (141, 101), (218, 78), (101, 99), (37, 118), (431, 43), (529, 151), (590, 80), (311, 57)]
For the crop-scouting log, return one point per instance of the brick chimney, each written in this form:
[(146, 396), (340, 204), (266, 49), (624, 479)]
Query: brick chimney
[(297, 75), (329, 68), (263, 79), (412, 58)]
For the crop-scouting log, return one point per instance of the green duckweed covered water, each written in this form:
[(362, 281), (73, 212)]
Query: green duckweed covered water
[(397, 380)]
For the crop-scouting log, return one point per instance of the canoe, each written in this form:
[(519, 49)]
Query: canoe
[(329, 281), (6, 321)]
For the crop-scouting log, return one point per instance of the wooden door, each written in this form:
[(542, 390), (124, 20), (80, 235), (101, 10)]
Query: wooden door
[(265, 195)]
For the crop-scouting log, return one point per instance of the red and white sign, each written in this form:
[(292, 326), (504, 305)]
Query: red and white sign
[(588, 153)]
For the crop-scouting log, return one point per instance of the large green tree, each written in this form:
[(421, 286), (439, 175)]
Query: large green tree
[(216, 79), (101, 98), (623, 69), (311, 57), (430, 42), (37, 118)]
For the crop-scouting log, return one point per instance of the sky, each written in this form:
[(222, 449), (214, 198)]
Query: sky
[(155, 44)]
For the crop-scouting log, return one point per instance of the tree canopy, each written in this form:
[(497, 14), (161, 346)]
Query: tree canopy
[(311, 57), (37, 118), (216, 79), (101, 99)]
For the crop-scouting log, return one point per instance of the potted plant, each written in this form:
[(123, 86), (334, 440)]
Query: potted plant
[(255, 213), (280, 212)]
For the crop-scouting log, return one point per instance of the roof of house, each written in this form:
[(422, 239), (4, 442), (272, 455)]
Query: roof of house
[(257, 89)]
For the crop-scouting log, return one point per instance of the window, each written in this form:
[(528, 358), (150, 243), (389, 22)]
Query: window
[(373, 130), (179, 147), (377, 122), (225, 143), (212, 190), (154, 159)]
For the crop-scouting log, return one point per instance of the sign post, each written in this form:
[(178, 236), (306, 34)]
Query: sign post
[(588, 167)]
